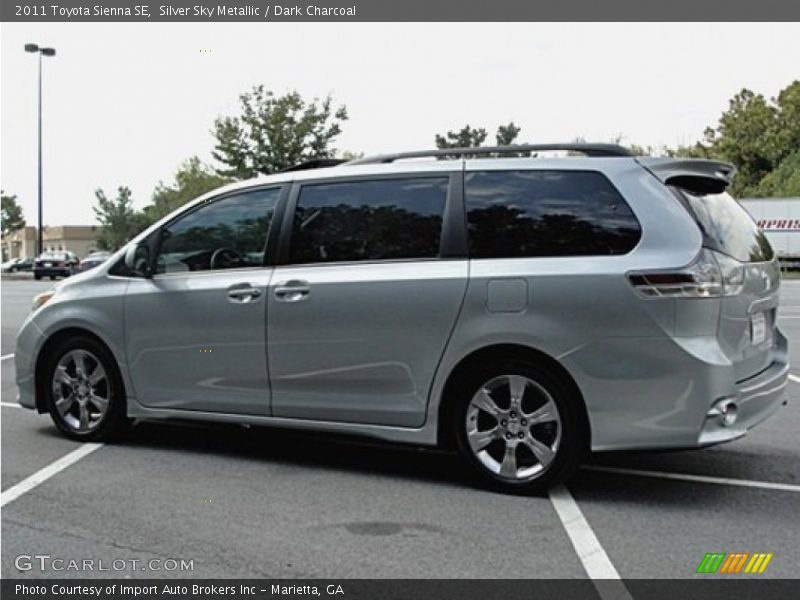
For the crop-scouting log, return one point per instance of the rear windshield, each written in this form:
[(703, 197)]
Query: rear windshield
[(728, 227)]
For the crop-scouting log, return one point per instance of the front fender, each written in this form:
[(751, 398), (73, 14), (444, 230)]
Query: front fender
[(94, 306)]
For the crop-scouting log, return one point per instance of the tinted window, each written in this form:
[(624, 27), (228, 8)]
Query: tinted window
[(369, 220), (53, 256), (227, 234), (546, 213), (728, 228)]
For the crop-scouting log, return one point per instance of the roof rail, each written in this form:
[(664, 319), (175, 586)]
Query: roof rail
[(587, 149), (317, 163)]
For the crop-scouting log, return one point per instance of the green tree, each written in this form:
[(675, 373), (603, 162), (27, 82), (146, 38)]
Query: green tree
[(350, 155), (745, 136), (784, 181), (192, 179), (467, 137), (274, 132), (118, 220), (639, 150), (756, 135), (11, 217), (507, 134)]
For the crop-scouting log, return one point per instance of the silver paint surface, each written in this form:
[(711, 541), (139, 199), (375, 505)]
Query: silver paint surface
[(368, 348)]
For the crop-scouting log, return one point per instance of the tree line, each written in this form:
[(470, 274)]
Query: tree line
[(759, 135)]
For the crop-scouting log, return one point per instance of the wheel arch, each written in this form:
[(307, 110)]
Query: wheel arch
[(54, 339), (496, 352)]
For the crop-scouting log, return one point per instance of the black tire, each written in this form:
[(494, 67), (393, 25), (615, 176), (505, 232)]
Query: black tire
[(52, 277), (114, 423), (570, 449), (36, 276)]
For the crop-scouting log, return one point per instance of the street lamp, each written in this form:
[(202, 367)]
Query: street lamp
[(41, 52)]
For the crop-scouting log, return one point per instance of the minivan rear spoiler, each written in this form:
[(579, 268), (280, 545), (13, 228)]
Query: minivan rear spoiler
[(696, 175)]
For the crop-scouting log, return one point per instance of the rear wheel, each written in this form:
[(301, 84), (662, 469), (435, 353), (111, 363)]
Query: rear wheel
[(37, 276), (517, 426), (84, 391)]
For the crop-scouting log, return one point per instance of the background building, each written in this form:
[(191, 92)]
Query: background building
[(80, 239)]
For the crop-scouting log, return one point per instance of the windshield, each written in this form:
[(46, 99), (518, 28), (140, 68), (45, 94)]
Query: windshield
[(728, 227)]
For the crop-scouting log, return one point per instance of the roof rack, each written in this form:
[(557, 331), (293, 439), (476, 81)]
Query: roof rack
[(593, 150), (317, 163)]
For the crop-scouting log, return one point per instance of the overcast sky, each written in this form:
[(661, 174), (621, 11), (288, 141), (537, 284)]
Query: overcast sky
[(124, 104)]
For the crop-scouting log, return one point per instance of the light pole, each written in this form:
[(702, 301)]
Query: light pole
[(41, 52)]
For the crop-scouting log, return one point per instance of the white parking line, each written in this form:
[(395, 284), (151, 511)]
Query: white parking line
[(42, 475), (10, 405), (794, 378), (591, 554), (6, 356), (766, 485)]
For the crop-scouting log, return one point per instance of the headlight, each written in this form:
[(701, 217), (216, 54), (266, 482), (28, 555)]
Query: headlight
[(42, 298)]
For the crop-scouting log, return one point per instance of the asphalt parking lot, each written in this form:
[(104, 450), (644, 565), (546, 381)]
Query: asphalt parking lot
[(267, 503)]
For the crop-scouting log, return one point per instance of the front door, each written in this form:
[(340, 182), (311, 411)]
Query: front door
[(360, 316), (195, 332)]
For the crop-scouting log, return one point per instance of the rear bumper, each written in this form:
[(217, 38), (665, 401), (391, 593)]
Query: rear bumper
[(658, 393), (52, 271), (755, 399)]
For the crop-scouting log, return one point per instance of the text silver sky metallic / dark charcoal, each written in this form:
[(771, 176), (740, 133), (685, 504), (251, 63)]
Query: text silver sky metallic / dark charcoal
[(409, 10)]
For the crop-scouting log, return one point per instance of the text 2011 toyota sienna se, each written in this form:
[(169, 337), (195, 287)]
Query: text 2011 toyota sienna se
[(520, 310)]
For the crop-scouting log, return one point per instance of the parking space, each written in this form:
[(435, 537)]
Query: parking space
[(26, 437), (268, 503)]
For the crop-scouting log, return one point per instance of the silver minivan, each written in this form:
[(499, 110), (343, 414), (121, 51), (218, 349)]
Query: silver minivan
[(519, 308)]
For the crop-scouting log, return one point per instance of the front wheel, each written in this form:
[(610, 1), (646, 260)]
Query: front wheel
[(85, 394), (518, 427)]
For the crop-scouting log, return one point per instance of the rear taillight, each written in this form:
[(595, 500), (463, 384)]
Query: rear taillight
[(732, 272), (711, 275)]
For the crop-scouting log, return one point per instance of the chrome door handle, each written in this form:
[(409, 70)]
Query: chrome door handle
[(244, 294), (292, 291)]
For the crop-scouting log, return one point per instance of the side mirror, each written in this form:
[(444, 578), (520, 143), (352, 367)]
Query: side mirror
[(137, 260)]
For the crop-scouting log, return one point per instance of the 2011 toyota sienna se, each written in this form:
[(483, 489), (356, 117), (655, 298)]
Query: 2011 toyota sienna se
[(520, 309)]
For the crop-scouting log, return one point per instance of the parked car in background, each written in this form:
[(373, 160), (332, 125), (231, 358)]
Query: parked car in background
[(23, 264), (17, 264), (94, 259), (52, 264)]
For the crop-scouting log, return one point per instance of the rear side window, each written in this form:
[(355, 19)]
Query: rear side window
[(728, 228), (547, 213), (369, 220)]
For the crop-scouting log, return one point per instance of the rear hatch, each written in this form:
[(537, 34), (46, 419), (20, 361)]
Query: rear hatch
[(747, 320), (47, 261)]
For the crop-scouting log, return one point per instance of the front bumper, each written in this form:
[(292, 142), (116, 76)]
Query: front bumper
[(29, 341)]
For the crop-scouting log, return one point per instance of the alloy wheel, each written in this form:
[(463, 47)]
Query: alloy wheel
[(81, 390), (513, 427)]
